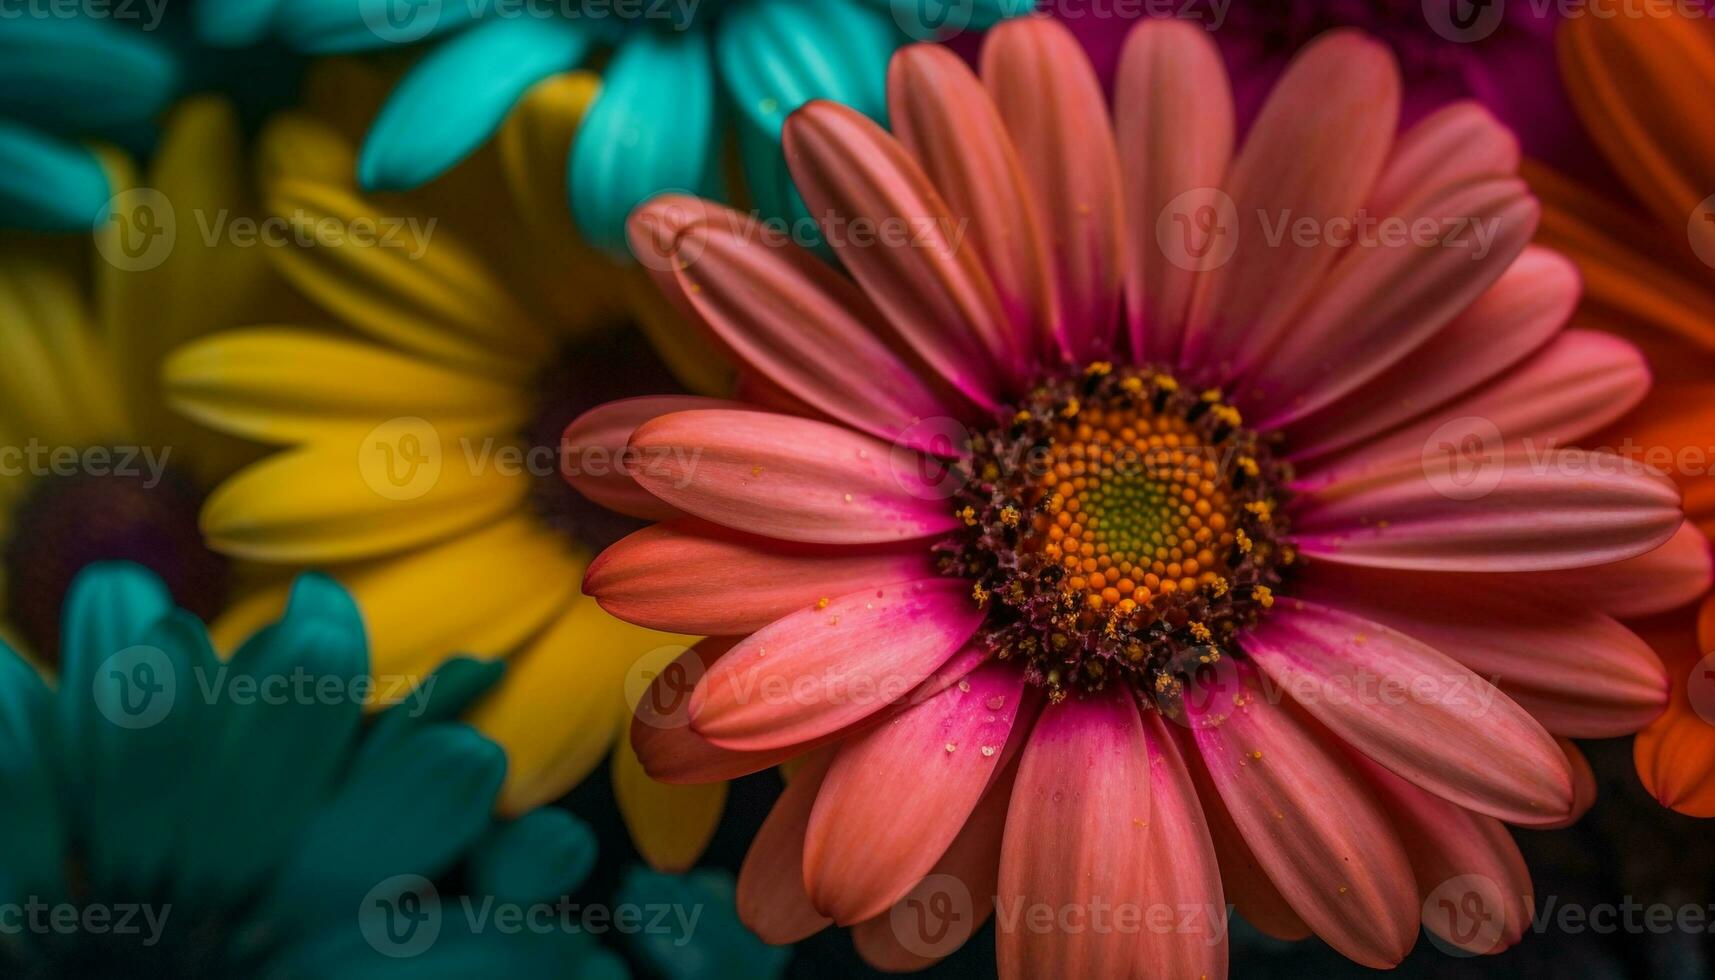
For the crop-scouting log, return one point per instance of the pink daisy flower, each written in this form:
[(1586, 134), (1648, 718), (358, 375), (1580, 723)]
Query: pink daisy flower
[(1093, 549)]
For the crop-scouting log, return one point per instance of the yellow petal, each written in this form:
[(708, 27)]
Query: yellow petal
[(292, 385), (403, 278), (206, 279), (684, 348), (297, 145), (484, 594), (579, 283), (402, 486), (558, 706), (56, 385), (671, 825)]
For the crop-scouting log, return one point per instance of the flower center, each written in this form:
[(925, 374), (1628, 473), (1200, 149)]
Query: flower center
[(1118, 525), (69, 522), (606, 366)]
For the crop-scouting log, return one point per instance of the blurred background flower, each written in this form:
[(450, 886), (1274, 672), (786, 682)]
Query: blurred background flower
[(418, 403), (681, 83), (82, 72)]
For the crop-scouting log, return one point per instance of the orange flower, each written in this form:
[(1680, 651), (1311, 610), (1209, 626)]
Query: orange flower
[(1640, 85)]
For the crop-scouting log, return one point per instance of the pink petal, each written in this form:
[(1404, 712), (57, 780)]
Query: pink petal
[(1058, 117), (1076, 838), (854, 176), (1314, 152), (942, 114), (1457, 143), (1380, 301), (1583, 784), (821, 669), (771, 896), (1311, 822), (789, 478), (1243, 880), (1414, 710), (941, 912), (671, 752), (1676, 574), (1583, 380), (1517, 315), (1474, 884), (1564, 509), (794, 320), (896, 796), (1174, 111), (595, 460), (1181, 872), (1575, 669), (690, 576)]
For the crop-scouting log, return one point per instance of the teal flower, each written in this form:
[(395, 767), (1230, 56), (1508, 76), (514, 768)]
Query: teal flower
[(105, 71), (168, 814), (685, 78)]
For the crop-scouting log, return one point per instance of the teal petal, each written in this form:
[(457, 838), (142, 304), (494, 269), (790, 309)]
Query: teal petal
[(82, 76), (444, 696), (651, 130), (776, 55), (410, 805), (48, 184), (539, 857), (343, 26), (287, 714), (712, 946), (453, 100), (234, 23), (109, 607), (146, 754), (32, 838)]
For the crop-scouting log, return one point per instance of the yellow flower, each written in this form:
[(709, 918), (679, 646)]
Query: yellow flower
[(450, 336), (93, 465)]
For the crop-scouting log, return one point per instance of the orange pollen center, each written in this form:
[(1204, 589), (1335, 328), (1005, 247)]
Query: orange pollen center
[(1134, 506)]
